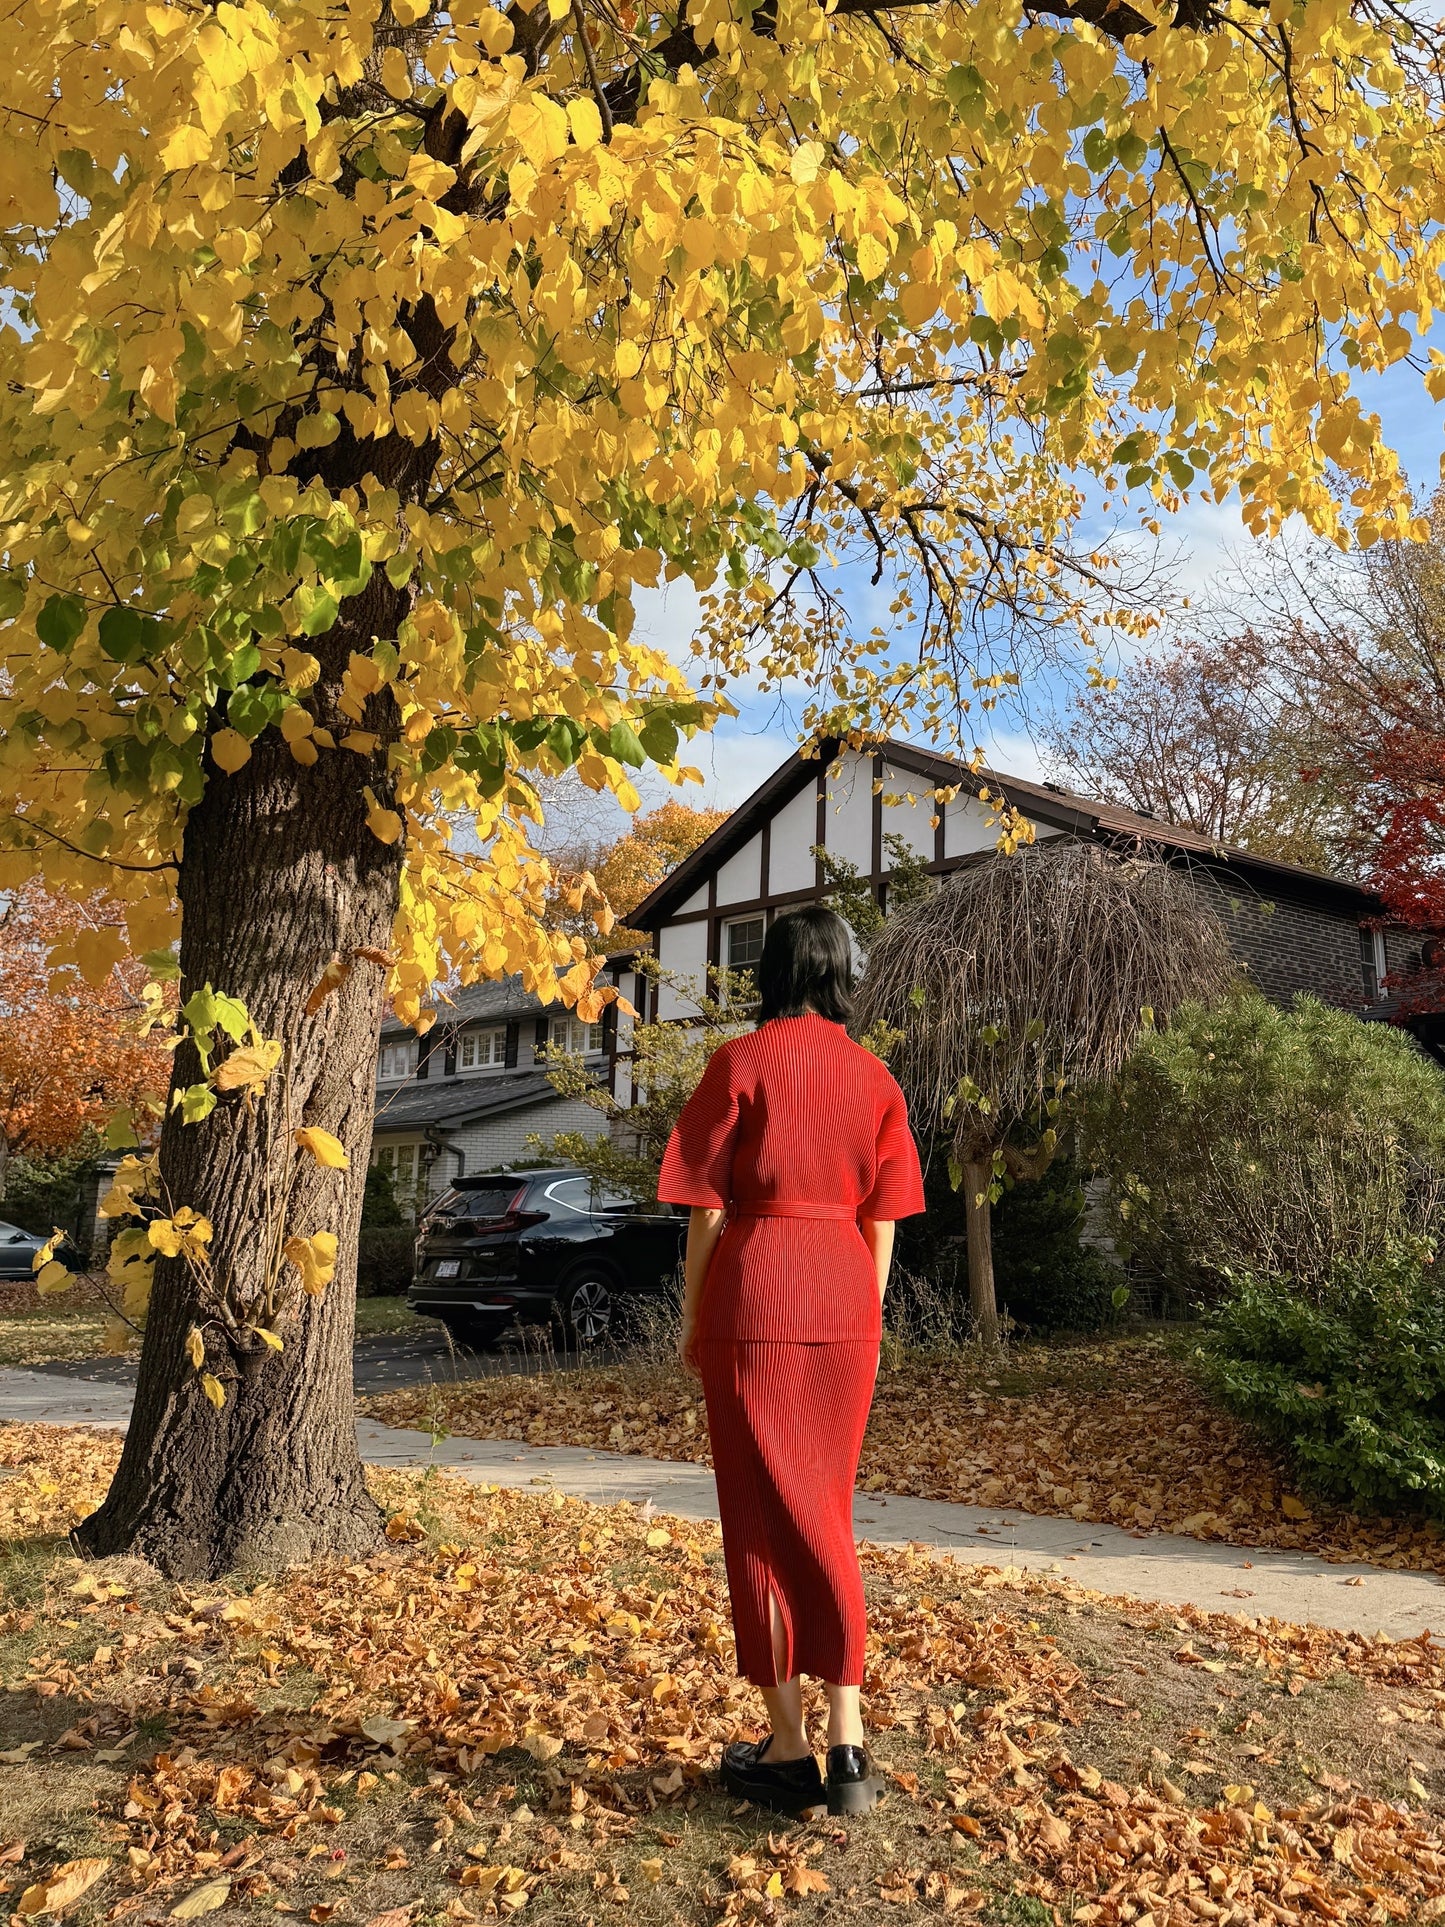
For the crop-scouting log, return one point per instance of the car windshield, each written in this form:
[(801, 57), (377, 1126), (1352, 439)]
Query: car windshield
[(12, 1231)]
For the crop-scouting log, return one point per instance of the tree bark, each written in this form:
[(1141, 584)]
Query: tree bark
[(978, 1222), (279, 874)]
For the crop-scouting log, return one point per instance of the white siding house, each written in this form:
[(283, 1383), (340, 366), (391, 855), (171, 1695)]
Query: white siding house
[(464, 1097)]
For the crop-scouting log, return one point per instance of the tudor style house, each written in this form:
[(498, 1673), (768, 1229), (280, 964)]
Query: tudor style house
[(465, 1097), (1291, 928)]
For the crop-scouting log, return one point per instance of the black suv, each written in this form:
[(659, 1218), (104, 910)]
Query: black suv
[(539, 1245)]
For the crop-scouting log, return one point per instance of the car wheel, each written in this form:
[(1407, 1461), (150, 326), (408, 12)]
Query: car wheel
[(476, 1330), (586, 1310)]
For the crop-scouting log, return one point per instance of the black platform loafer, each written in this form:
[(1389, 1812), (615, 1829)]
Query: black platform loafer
[(789, 1786), (853, 1786)]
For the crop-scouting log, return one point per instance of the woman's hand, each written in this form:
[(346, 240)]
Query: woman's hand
[(687, 1347), (704, 1228)]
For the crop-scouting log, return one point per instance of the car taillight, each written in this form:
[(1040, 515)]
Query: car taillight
[(512, 1221)]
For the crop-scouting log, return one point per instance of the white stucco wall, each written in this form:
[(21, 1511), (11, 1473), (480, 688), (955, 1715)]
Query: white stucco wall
[(682, 948), (848, 831)]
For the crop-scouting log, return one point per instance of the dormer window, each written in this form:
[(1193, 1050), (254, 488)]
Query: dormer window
[(482, 1050), (397, 1062)]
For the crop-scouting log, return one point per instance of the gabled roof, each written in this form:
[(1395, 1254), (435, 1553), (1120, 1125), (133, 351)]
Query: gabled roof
[(1047, 803), (450, 1102)]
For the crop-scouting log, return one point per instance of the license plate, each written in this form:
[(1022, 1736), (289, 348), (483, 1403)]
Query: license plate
[(448, 1268)]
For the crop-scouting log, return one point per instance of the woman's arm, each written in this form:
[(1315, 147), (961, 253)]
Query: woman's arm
[(878, 1236), (704, 1228)]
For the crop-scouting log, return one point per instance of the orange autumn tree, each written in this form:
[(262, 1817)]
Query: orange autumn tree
[(364, 363), (633, 866), (72, 1054)]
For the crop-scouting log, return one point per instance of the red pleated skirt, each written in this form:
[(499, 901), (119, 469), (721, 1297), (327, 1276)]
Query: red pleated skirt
[(787, 1421)]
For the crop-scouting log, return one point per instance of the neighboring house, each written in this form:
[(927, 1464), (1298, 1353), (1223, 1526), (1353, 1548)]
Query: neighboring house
[(1291, 928), (465, 1096)]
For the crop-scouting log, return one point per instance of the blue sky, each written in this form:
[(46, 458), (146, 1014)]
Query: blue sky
[(1202, 547)]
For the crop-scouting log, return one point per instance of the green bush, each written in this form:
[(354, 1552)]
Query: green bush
[(1247, 1138), (384, 1260), (1351, 1382), (378, 1203), (1046, 1278), (43, 1192)]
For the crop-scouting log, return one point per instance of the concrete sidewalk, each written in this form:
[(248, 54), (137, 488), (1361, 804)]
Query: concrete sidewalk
[(1172, 1570)]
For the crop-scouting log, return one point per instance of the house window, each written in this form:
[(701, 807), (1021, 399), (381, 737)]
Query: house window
[(1372, 962), (743, 944), (480, 1050), (397, 1062), (403, 1164), (572, 1035)]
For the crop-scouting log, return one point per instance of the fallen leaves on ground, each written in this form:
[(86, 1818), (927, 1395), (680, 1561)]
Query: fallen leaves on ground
[(60, 1475), (540, 1637), (1116, 1434)]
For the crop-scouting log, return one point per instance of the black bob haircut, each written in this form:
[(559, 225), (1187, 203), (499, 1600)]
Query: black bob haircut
[(807, 964)]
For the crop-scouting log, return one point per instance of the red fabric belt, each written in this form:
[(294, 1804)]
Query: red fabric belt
[(786, 1208)]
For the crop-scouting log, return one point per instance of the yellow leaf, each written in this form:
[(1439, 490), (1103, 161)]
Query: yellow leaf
[(651, 1871), (215, 1391), (230, 750), (539, 127), (53, 1277), (331, 978), (1293, 1508), (396, 74), (325, 1148), (195, 1348), (659, 1536), (203, 1900), (187, 147), (584, 120), (63, 1888), (315, 1259), (248, 1066), (269, 1339), (806, 161)]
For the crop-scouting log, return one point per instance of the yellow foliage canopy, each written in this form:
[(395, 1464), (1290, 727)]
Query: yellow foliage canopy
[(531, 319)]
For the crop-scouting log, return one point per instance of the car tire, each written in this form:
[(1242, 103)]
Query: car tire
[(587, 1309), (477, 1331)]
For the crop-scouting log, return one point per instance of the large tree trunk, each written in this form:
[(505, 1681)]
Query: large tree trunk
[(279, 875), (977, 1177)]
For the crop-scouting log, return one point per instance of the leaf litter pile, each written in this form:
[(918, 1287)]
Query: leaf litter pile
[(1117, 1434), (516, 1704)]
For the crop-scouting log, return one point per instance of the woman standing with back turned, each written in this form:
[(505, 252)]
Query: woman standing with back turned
[(795, 1155)]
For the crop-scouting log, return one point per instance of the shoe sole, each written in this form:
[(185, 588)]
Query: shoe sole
[(770, 1802), (855, 1796)]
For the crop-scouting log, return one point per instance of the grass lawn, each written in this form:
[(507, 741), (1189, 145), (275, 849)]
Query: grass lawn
[(40, 1331), (517, 1703), (1117, 1431)]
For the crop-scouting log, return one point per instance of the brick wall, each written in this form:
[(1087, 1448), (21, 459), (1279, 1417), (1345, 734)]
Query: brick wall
[(1287, 946)]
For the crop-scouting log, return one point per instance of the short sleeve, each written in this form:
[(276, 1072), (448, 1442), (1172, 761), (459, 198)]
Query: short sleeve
[(698, 1165), (898, 1185)]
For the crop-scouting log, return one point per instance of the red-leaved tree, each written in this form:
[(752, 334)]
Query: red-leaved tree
[(72, 1051)]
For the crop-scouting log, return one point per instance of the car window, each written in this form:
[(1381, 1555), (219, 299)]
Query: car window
[(12, 1231), (481, 1201), (581, 1194)]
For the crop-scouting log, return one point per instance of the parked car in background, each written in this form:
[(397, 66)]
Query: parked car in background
[(18, 1249), (543, 1245)]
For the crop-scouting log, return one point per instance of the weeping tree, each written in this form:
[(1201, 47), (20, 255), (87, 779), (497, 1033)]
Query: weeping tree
[(1022, 982)]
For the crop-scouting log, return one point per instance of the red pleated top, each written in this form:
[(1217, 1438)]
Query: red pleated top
[(798, 1133)]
